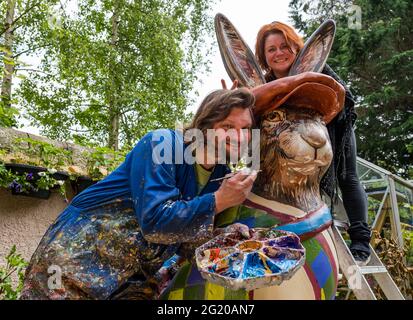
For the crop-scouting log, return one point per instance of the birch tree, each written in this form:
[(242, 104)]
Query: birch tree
[(115, 69)]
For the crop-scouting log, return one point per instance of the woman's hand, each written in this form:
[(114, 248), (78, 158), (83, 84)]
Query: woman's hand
[(234, 84)]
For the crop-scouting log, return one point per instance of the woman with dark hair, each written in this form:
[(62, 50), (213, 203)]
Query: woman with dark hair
[(276, 48)]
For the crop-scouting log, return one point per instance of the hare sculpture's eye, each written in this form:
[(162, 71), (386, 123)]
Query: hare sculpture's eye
[(275, 116)]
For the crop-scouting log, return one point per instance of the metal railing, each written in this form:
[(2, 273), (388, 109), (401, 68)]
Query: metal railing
[(395, 193)]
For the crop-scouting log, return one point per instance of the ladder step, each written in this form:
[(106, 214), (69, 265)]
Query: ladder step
[(341, 224), (372, 269)]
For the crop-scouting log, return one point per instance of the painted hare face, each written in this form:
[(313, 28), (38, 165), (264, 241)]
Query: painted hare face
[(300, 139), (295, 153)]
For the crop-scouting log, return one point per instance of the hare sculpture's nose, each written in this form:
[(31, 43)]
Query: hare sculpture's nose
[(314, 137)]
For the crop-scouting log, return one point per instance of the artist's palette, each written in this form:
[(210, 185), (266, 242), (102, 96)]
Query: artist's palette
[(267, 258)]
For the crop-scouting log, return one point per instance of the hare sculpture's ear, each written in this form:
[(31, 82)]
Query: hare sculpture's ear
[(314, 55), (239, 61)]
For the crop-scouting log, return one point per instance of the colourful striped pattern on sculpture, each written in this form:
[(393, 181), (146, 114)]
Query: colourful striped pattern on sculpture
[(320, 271)]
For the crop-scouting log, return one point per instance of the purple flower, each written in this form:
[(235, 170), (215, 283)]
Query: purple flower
[(29, 176), (15, 186)]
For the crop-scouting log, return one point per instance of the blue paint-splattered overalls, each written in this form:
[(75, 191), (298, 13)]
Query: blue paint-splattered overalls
[(114, 236)]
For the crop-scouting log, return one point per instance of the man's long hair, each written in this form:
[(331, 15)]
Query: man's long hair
[(217, 106)]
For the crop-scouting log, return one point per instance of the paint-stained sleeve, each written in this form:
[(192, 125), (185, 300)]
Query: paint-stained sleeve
[(164, 217)]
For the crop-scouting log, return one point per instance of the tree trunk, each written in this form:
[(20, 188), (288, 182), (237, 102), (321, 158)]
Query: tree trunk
[(8, 55), (113, 102)]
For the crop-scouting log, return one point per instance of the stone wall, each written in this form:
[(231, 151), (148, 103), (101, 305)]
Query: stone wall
[(8, 137), (24, 220)]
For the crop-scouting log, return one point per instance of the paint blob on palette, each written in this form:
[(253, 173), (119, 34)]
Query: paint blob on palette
[(267, 258)]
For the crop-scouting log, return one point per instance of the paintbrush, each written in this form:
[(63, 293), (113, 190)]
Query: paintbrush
[(229, 175)]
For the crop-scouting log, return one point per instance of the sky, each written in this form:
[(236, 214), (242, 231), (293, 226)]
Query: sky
[(247, 17)]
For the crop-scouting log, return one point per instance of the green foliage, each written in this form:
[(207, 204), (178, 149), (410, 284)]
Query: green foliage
[(116, 69), (376, 61), (17, 40), (6, 176), (103, 161), (7, 116), (15, 264), (100, 161), (27, 182), (406, 213), (36, 153), (408, 239), (49, 156), (46, 181)]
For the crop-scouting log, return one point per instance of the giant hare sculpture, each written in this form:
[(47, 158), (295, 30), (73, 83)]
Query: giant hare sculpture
[(292, 113)]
